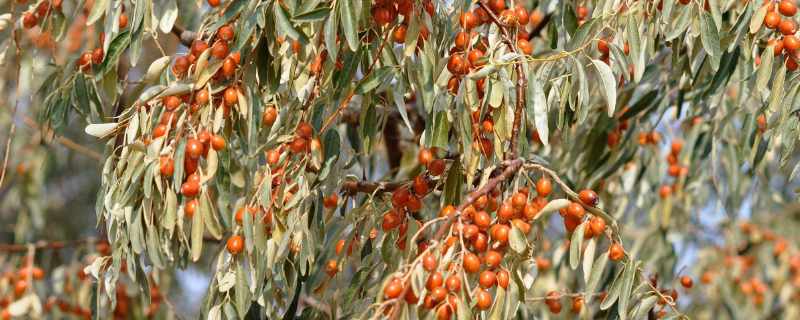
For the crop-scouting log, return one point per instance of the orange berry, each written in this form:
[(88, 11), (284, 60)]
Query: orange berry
[(786, 7), (772, 20), (225, 33), (543, 187), (502, 279), (429, 262), (190, 189), (487, 279), (166, 166), (589, 197), (484, 300), (615, 252), (235, 245), (576, 210), (239, 218), (788, 27), (686, 281), (468, 20), (492, 260), (525, 46), (598, 225), (330, 268), (436, 167), (435, 279), (392, 290), (602, 45), (452, 283), (471, 263)]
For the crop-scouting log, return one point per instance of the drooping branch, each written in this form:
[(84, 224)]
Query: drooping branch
[(511, 167), (512, 150)]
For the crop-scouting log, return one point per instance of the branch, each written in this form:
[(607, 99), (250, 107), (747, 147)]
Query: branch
[(55, 245), (537, 30), (512, 150), (185, 36), (511, 167), (66, 142)]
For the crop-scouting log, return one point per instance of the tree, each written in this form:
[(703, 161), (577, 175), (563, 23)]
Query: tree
[(405, 159)]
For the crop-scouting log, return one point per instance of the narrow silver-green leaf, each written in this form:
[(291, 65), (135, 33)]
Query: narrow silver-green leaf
[(627, 286), (641, 309), (765, 68), (575, 245), (595, 275), (349, 23)]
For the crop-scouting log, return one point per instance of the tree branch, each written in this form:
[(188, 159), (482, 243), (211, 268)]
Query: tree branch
[(537, 30), (512, 150)]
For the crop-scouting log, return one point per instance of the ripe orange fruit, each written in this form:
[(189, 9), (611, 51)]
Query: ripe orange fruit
[(589, 197), (420, 186), (525, 46), (166, 166), (392, 290), (522, 15), (577, 302), (576, 211), (194, 148), (298, 145), (778, 46), (471, 263), (772, 20), (123, 21), (225, 33), (436, 167), (686, 281), (220, 50), (190, 189), (241, 211), (665, 191), (473, 56), (484, 300), (598, 225), (582, 12), (85, 62), (615, 252), (217, 142), (492, 260), (452, 283), (446, 211), (482, 220), (487, 279), (787, 27), (269, 116), (304, 130), (791, 64), (235, 245), (198, 47), (390, 221), (770, 4), (602, 45), (213, 3), (435, 279), (400, 33), (330, 268), (425, 157), (190, 208), (787, 8), (468, 20), (20, 287), (519, 200), (496, 5), (97, 56), (429, 262), (543, 187)]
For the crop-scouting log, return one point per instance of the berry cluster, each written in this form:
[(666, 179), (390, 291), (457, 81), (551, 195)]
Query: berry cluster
[(786, 39)]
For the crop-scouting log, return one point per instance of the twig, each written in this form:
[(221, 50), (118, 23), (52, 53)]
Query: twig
[(512, 150), (539, 27), (16, 103), (560, 295), (66, 142), (374, 61), (661, 295), (41, 245), (512, 167)]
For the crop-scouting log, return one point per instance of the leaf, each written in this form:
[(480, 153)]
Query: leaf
[(539, 110), (609, 86), (588, 257), (682, 24), (369, 126), (332, 143), (233, 9), (626, 287), (570, 19), (441, 130), (497, 305), (613, 293), (576, 244), (635, 46), (552, 206), (765, 68), (355, 285), (758, 19), (157, 68), (372, 80), (777, 89), (710, 38), (727, 66), (115, 49), (99, 130), (242, 291), (313, 15), (516, 239), (595, 275), (641, 309), (95, 300), (282, 17), (98, 9), (197, 236), (349, 20)]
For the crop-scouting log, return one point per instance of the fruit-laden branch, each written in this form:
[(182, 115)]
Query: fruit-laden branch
[(511, 167), (512, 150), (186, 37)]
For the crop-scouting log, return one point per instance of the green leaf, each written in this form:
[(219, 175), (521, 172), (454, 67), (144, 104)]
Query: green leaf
[(372, 80), (233, 9), (197, 236), (635, 46), (497, 306), (95, 302), (581, 34), (570, 19), (609, 85), (710, 38), (313, 15), (99, 130), (59, 25), (613, 293), (765, 68), (332, 143), (576, 244), (777, 89), (441, 130), (539, 109), (595, 275), (626, 287), (98, 9), (552, 206), (282, 17), (242, 291), (355, 285), (516, 239), (758, 19), (349, 19), (641, 309), (727, 66), (115, 49), (369, 126), (682, 24)]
